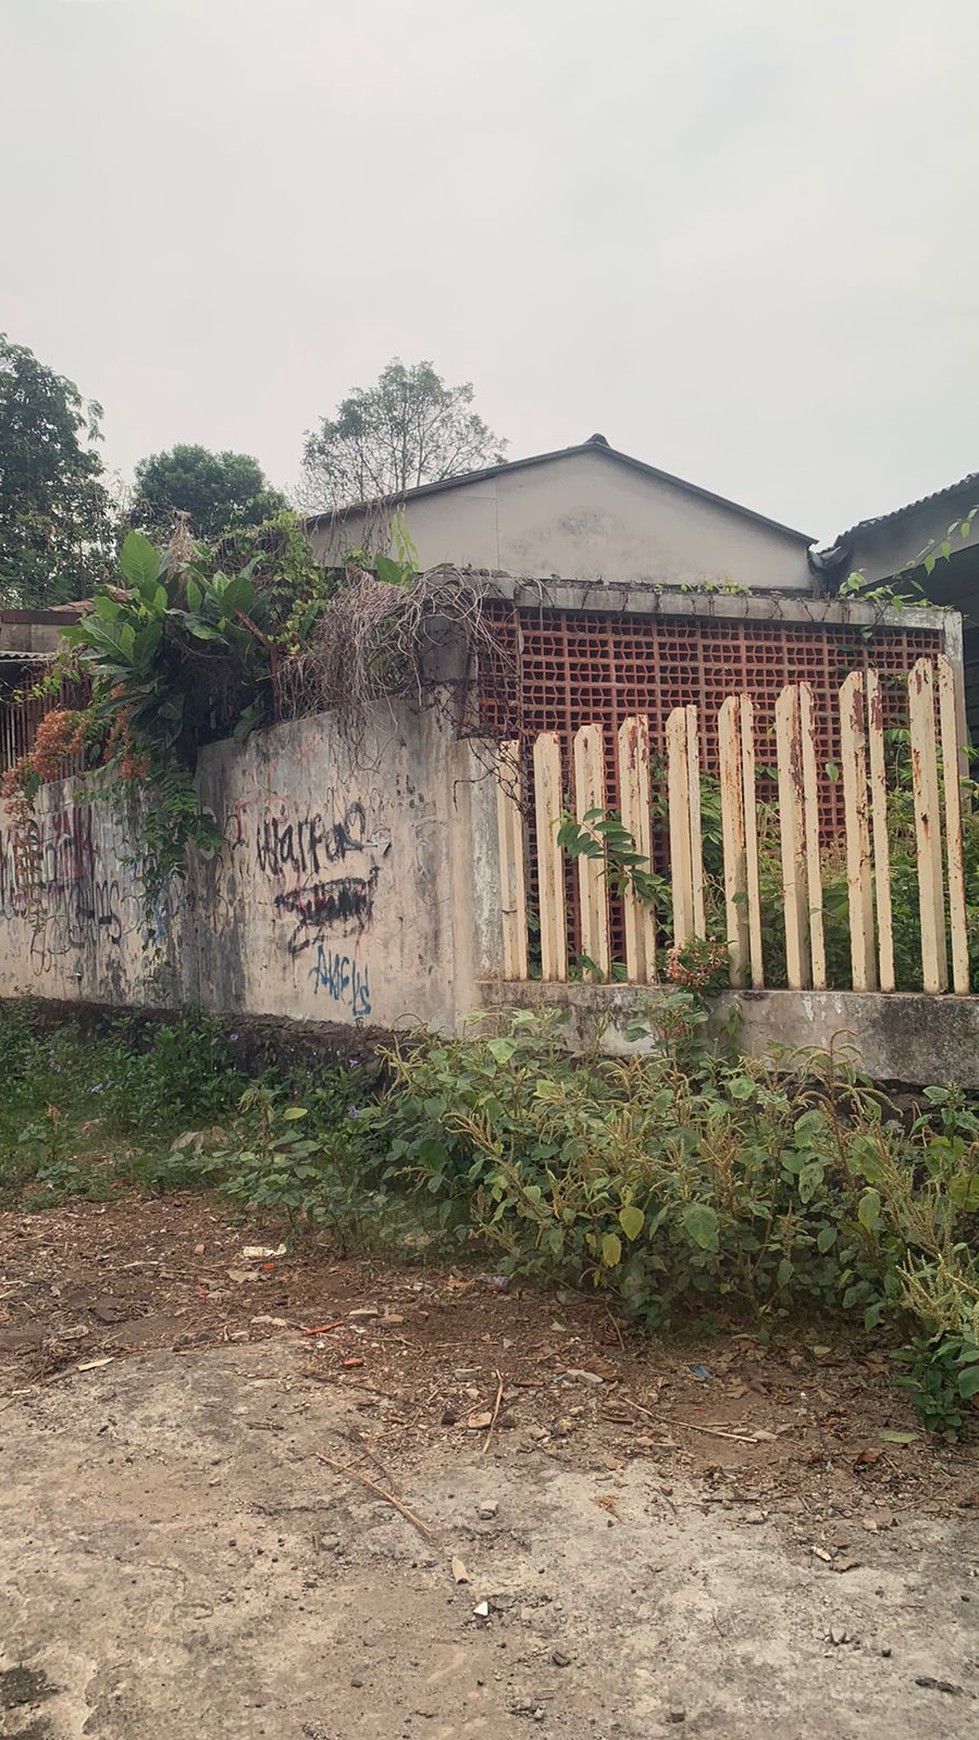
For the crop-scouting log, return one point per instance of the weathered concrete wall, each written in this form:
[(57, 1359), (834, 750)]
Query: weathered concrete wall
[(70, 915), (923, 1041), (346, 888)]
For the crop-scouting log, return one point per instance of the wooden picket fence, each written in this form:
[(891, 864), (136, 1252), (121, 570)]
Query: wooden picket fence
[(935, 766)]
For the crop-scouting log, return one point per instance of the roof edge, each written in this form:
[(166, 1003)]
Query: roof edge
[(590, 447), (970, 482)]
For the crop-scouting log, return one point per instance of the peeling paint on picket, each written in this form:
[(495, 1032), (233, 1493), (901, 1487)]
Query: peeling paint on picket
[(733, 843), (878, 820), (513, 888), (859, 866), (588, 753), (636, 805), (927, 823), (550, 857)]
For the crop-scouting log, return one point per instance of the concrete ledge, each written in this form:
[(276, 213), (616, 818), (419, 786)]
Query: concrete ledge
[(622, 597), (909, 1038)]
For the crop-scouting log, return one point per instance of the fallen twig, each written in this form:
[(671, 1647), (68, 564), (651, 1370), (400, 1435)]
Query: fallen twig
[(496, 1410), (379, 1492), (359, 1440), (716, 1432), (616, 1327), (630, 1402), (709, 1431)]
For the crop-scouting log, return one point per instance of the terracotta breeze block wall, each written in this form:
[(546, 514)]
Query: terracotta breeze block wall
[(558, 670)]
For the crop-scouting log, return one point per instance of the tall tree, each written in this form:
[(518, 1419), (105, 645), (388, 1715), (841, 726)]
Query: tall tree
[(220, 491), (55, 534), (408, 429)]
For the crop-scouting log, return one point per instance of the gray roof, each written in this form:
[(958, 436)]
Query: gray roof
[(911, 507), (595, 444)]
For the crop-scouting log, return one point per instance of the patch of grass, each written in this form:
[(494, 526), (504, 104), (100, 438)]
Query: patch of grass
[(80, 1116)]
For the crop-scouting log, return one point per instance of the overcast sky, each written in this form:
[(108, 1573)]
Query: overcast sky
[(738, 237)]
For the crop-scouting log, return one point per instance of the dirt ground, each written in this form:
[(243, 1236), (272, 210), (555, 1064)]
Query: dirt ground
[(254, 1495)]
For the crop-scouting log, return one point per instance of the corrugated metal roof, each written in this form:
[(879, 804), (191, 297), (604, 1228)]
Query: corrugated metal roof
[(911, 507)]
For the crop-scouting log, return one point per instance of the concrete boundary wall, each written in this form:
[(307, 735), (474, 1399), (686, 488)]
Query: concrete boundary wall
[(357, 883), (901, 1037)]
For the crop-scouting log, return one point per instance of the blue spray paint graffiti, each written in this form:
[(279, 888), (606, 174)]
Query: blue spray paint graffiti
[(343, 980)]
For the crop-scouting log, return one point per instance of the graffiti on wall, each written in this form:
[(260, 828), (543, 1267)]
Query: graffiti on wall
[(345, 981), (68, 885), (298, 851), (48, 878), (308, 844), (344, 905)]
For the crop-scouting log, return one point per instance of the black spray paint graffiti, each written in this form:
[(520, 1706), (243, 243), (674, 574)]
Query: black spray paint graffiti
[(343, 905), (296, 852), (47, 878), (344, 980), (309, 844)]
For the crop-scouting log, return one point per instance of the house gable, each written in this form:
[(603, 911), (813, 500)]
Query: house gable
[(587, 513)]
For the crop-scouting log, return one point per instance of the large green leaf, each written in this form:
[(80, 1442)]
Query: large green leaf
[(387, 569), (501, 1050), (239, 594), (139, 560), (868, 1210), (701, 1224), (611, 1250), (631, 1220)]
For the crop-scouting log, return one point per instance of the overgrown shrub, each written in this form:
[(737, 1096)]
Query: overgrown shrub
[(168, 1073), (687, 1179)]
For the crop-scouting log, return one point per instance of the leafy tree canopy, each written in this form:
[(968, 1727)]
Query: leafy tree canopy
[(220, 491), (55, 537), (408, 429)]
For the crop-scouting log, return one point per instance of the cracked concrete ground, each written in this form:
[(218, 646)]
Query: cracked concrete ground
[(178, 1564)]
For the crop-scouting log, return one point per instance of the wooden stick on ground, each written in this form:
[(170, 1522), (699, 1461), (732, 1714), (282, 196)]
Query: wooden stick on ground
[(496, 1410), (715, 1432), (378, 1491), (630, 1402), (670, 1425)]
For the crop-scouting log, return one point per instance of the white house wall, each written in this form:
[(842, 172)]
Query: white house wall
[(585, 516)]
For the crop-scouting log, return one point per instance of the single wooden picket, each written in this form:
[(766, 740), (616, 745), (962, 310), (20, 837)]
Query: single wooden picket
[(696, 835), (928, 826), (634, 795), (958, 928), (859, 870), (751, 841), (874, 722), (733, 839), (550, 857), (795, 897), (810, 831), (589, 785), (512, 879), (678, 793)]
